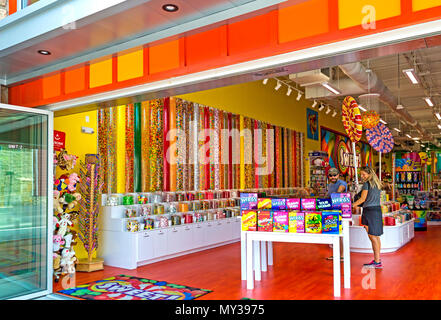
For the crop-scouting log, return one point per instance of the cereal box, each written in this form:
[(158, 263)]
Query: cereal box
[(264, 203), (296, 222), (249, 220), (293, 204), (339, 198), (278, 204), (308, 204), (324, 204), (280, 221), (248, 201), (265, 221), (331, 222), (313, 222)]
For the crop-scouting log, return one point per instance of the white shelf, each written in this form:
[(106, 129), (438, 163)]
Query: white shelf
[(128, 250)]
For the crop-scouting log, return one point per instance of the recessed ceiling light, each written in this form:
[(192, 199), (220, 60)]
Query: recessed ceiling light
[(170, 7), (44, 52)]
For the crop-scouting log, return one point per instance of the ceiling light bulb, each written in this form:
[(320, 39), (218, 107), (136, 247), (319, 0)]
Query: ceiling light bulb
[(410, 73), (299, 96), (429, 101), (399, 107), (407, 135), (362, 108), (278, 86), (321, 107), (438, 115), (328, 110), (334, 114), (439, 126), (289, 91), (382, 121), (314, 104), (397, 130), (265, 81), (170, 7), (44, 52)]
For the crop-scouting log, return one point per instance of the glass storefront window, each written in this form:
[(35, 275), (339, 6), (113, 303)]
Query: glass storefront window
[(23, 203)]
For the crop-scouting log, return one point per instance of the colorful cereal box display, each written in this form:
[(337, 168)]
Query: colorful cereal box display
[(278, 204), (331, 222), (248, 201), (265, 221), (324, 204), (308, 204), (313, 222), (293, 204), (249, 220), (296, 222), (264, 203), (280, 221)]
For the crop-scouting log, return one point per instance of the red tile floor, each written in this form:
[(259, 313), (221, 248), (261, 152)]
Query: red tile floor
[(301, 272)]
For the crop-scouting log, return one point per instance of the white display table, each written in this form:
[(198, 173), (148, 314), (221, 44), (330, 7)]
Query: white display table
[(393, 238), (253, 259)]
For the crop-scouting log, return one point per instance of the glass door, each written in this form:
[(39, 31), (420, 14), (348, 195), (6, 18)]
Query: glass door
[(26, 151)]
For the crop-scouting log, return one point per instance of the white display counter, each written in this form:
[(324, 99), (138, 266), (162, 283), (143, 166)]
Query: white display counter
[(393, 238), (128, 250)]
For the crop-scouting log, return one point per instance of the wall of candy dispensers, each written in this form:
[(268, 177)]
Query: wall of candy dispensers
[(230, 162)]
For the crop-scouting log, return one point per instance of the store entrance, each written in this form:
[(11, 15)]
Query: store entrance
[(25, 202)]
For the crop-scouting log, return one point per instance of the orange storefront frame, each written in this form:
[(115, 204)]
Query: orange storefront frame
[(268, 34)]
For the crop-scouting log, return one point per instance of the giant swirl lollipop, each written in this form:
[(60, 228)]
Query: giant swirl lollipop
[(370, 119), (351, 117), (380, 138)]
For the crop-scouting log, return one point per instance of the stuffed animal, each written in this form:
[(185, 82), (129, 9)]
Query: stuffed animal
[(72, 181), (64, 223), (71, 199), (58, 203), (68, 238), (68, 261), (58, 242), (66, 161)]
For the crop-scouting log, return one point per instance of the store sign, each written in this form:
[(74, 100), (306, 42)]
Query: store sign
[(59, 140), (347, 159)]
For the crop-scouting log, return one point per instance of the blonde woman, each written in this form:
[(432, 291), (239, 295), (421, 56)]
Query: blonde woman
[(372, 217)]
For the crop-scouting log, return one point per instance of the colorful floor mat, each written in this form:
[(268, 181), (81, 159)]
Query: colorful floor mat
[(123, 287)]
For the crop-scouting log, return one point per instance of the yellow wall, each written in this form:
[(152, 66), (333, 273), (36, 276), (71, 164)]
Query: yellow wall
[(262, 102), (79, 144)]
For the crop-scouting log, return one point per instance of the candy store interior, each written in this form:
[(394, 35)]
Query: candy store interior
[(172, 182), (190, 149)]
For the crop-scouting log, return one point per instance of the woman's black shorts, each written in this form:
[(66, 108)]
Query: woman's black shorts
[(373, 218)]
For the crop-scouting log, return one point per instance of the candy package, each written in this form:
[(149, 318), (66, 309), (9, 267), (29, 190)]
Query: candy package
[(339, 198), (280, 221), (293, 204), (313, 222), (248, 201), (264, 203), (331, 222), (296, 222), (324, 204), (265, 221), (278, 204), (308, 204), (346, 210), (249, 220)]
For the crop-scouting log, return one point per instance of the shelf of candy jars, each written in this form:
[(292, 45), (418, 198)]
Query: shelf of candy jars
[(430, 201), (318, 161), (135, 212)]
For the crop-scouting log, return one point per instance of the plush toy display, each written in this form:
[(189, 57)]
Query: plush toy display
[(65, 200)]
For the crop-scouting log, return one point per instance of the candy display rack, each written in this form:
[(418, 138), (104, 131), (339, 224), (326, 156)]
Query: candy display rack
[(318, 161)]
